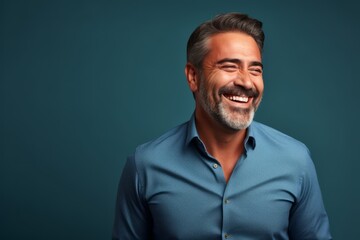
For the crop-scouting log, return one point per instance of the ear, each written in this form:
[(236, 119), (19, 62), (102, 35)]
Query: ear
[(192, 77)]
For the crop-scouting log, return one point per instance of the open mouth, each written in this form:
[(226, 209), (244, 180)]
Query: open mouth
[(236, 98)]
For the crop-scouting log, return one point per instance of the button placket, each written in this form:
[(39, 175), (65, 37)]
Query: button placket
[(227, 209)]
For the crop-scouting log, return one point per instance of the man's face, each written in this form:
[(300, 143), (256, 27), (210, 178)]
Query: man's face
[(230, 87)]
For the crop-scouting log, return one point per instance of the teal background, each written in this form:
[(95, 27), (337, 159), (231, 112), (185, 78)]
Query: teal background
[(84, 82)]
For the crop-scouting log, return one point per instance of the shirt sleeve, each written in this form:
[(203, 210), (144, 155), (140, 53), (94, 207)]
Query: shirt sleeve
[(132, 218), (308, 218)]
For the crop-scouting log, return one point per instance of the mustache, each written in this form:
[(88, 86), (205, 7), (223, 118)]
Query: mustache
[(238, 90)]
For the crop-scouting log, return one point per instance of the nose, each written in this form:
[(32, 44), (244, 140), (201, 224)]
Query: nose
[(243, 79)]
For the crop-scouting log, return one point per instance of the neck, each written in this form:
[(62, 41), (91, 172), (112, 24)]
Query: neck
[(224, 144), (220, 141)]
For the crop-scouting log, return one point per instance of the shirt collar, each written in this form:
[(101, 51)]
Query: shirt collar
[(191, 130), (250, 140)]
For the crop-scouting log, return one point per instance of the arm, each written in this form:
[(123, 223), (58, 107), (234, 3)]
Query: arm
[(132, 218), (308, 218)]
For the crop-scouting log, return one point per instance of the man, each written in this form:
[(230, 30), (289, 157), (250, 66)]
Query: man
[(221, 175)]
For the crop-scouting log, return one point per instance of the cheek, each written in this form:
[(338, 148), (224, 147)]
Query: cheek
[(259, 85), (219, 80), (213, 90), (208, 84), (213, 82)]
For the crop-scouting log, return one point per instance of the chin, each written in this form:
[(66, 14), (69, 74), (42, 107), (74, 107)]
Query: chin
[(236, 122)]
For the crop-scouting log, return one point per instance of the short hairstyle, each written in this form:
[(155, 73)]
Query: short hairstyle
[(229, 22)]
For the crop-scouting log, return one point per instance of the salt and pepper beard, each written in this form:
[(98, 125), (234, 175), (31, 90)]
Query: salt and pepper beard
[(230, 117)]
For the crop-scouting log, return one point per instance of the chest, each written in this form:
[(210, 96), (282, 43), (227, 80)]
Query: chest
[(197, 203)]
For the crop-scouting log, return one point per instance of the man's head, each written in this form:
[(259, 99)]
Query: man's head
[(197, 47), (224, 69)]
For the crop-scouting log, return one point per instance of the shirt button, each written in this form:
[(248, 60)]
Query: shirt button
[(227, 201), (227, 236), (215, 166)]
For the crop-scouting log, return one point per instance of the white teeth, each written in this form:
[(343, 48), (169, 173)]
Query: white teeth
[(239, 98)]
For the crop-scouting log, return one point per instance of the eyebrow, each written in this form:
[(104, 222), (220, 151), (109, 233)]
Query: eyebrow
[(238, 61)]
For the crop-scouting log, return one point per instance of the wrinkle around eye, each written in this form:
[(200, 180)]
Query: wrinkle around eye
[(256, 71), (228, 68), (256, 74)]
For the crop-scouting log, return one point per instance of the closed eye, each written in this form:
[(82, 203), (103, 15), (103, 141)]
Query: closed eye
[(256, 71), (229, 67)]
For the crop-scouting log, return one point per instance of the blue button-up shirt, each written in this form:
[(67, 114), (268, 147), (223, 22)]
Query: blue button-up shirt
[(172, 188)]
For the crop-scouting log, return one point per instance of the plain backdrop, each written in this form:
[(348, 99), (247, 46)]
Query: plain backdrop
[(84, 82)]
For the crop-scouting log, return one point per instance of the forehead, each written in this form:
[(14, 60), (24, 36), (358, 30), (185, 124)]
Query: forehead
[(233, 44)]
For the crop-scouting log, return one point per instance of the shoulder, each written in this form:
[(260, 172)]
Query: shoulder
[(166, 144), (271, 136), (275, 142)]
